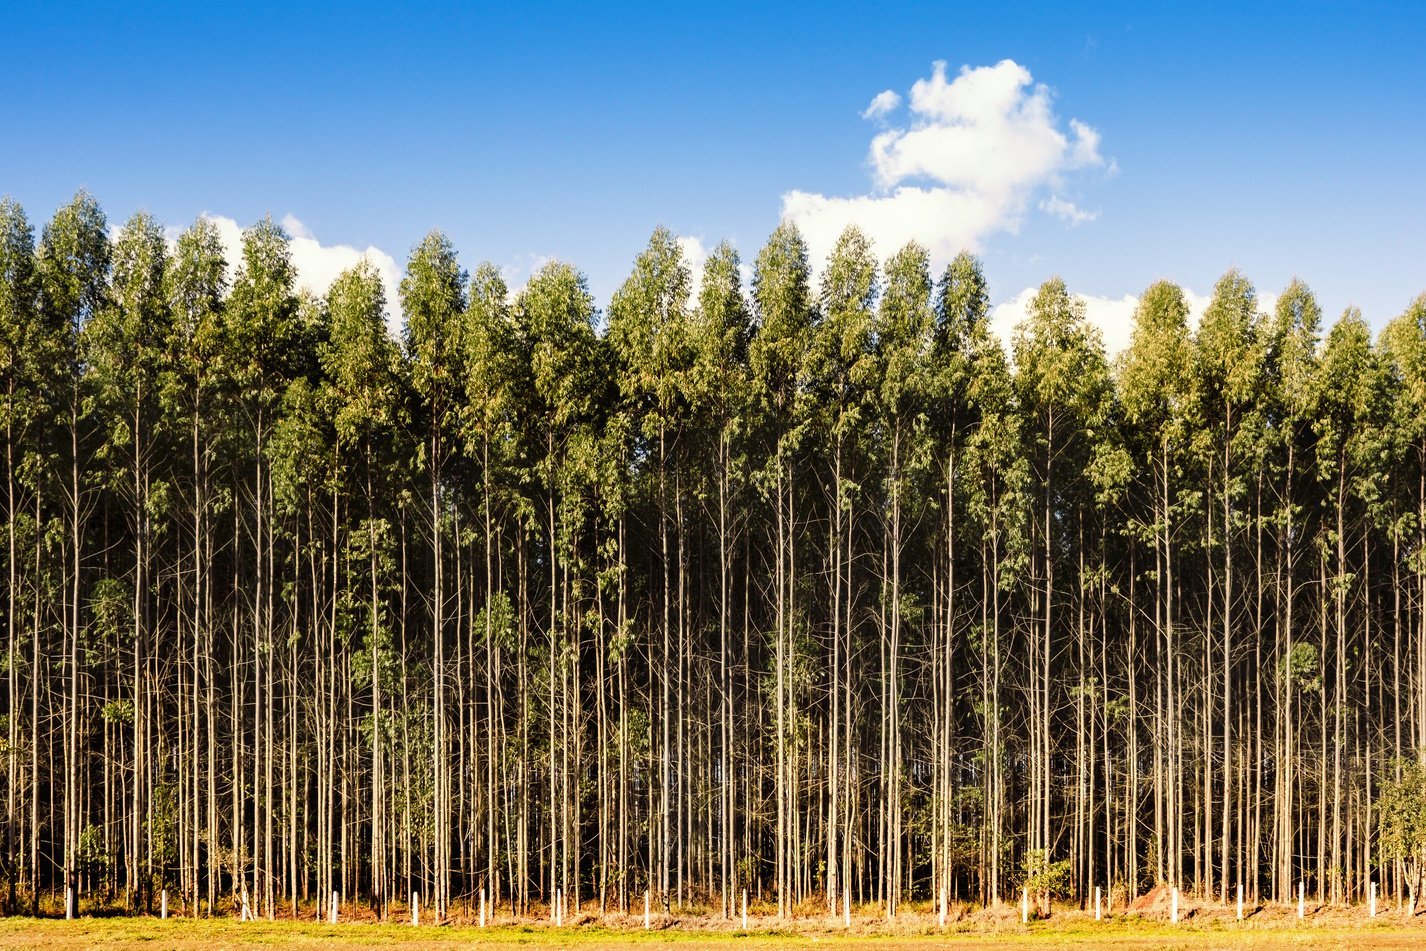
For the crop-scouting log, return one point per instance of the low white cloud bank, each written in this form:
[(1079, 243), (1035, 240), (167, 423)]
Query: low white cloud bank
[(318, 264), (1114, 316), (972, 155)]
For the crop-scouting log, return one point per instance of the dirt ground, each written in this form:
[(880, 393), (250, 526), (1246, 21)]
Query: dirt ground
[(1200, 927)]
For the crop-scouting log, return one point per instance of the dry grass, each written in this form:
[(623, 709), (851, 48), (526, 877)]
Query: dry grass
[(1263, 931)]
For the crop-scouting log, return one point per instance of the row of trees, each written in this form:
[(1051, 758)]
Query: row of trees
[(812, 589)]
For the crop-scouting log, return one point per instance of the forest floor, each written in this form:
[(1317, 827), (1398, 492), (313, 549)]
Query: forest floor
[(1264, 930)]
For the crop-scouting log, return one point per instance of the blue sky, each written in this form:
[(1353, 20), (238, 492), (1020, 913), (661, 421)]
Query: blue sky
[(1281, 140)]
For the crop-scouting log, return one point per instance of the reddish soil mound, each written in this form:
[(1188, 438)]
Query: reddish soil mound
[(1157, 902)]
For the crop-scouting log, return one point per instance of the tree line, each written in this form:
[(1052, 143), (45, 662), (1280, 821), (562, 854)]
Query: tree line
[(803, 585)]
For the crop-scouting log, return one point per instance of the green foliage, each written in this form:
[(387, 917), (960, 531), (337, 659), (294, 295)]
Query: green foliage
[(359, 359), (1043, 877), (496, 622), (74, 260), (118, 711), (1401, 811), (265, 341), (1303, 667), (1401, 819)]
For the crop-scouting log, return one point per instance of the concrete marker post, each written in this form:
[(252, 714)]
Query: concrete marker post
[(415, 909), (1240, 901), (1371, 900), (1301, 900), (943, 906), (846, 908), (482, 908), (331, 916), (648, 923), (1097, 915)]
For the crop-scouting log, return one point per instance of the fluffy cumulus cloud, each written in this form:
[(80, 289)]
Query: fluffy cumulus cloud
[(319, 264), (971, 156)]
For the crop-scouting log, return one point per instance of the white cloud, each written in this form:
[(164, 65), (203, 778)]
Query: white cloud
[(319, 264), (1197, 304), (977, 149), (695, 255), (1005, 315), (882, 103), (1267, 303), (943, 220), (1086, 146), (1066, 210), (1114, 316)]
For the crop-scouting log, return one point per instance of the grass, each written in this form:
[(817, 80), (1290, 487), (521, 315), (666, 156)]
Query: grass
[(1123, 934)]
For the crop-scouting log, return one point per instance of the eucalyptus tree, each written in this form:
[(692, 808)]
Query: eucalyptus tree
[(722, 332), (20, 337), (555, 313), (843, 368), (960, 338), (1061, 382), (125, 347), (1347, 422), (495, 363), (783, 304), (267, 344), (433, 299), (360, 362), (191, 387), (74, 261), (1290, 341), (1227, 373), (648, 329), (903, 331), (1153, 383)]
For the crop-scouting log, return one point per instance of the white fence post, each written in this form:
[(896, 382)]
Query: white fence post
[(331, 915), (163, 904), (1097, 915), (1301, 900), (415, 909), (943, 906), (1240, 901), (1371, 900), (846, 908), (646, 909), (482, 908)]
